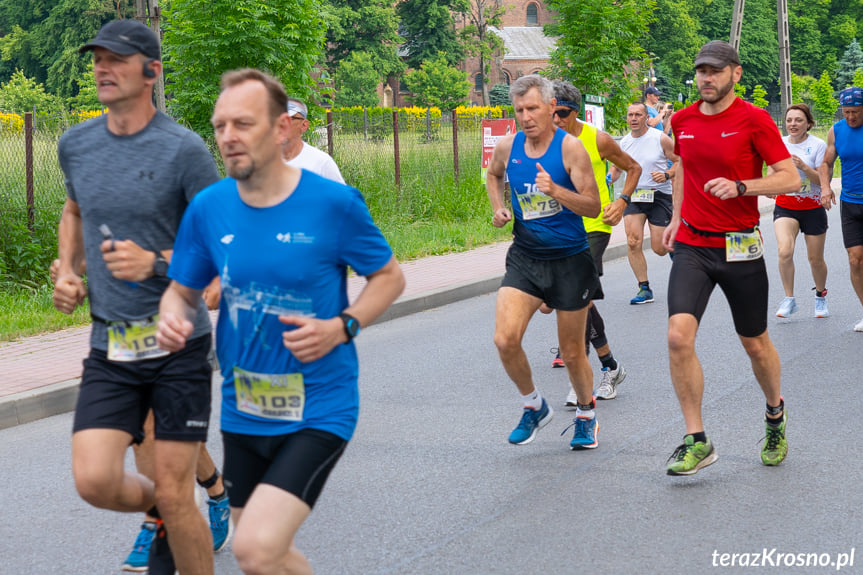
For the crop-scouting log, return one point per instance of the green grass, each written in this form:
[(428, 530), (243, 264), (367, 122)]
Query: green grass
[(430, 213), (29, 312)]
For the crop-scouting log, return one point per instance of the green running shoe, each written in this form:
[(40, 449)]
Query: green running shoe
[(775, 446), (690, 456)]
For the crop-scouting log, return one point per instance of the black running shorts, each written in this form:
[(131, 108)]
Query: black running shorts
[(117, 395), (566, 284), (696, 270), (298, 463), (813, 222), (852, 224), (658, 211), (598, 242)]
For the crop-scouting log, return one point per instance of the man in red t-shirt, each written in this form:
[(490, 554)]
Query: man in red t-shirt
[(723, 143)]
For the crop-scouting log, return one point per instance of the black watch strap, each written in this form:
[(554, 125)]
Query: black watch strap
[(160, 265), (625, 198), (352, 326)]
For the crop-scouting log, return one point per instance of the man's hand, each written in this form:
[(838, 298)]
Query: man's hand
[(69, 293), (670, 234), (127, 261), (612, 213), (212, 293), (173, 332), (543, 181), (314, 338), (722, 188), (658, 177), (501, 218), (828, 198)]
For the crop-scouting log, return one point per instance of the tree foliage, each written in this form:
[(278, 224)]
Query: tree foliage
[(356, 81), (824, 105), (438, 84), (369, 26), (673, 42), (758, 93), (599, 41), (428, 29), (852, 60), (478, 39), (499, 95), (22, 94), (44, 36), (204, 38)]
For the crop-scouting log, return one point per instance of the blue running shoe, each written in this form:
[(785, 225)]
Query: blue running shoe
[(136, 562), (585, 433), (644, 295), (220, 522), (531, 422)]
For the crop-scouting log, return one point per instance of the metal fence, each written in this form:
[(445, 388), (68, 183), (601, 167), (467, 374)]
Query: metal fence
[(397, 159)]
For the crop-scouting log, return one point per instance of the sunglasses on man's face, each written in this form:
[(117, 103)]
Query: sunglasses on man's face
[(564, 113)]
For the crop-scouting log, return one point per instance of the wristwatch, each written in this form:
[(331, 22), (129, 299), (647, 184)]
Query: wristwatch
[(667, 176), (352, 326), (160, 265), (741, 188), (625, 198)]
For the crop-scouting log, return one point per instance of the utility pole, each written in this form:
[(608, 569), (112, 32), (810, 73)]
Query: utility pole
[(784, 46), (784, 54), (736, 24), (148, 13)]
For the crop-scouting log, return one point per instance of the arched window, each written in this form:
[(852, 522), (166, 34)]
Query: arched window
[(532, 19), (477, 83), (506, 79)]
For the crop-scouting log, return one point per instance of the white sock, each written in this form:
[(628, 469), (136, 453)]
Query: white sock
[(590, 413), (533, 400)]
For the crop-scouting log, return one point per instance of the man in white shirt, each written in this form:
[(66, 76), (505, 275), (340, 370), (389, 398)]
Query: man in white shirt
[(297, 153)]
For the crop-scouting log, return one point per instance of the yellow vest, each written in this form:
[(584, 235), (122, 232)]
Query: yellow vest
[(588, 138)]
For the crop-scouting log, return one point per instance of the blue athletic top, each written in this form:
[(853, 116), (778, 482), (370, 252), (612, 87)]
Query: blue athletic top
[(849, 146), (549, 230), (287, 259)]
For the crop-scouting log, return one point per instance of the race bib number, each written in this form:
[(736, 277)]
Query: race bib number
[(534, 204), (740, 246), (806, 190), (134, 340), (644, 196), (273, 396)]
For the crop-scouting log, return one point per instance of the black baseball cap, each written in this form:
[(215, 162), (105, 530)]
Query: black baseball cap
[(125, 37), (717, 54), (653, 90)]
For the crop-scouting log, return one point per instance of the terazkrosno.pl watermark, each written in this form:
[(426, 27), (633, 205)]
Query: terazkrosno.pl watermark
[(775, 558)]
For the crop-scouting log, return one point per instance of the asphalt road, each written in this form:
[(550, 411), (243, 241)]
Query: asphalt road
[(429, 485)]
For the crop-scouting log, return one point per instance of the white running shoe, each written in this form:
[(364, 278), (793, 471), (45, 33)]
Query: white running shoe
[(610, 380), (859, 326), (787, 307), (572, 399), (821, 307)]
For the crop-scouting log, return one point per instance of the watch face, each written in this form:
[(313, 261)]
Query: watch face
[(160, 268), (353, 327)]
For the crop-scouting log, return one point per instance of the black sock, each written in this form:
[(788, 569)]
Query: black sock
[(153, 512), (645, 285), (220, 496), (609, 361), (699, 437)]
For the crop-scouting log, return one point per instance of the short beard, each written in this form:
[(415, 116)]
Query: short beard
[(241, 174), (721, 92)]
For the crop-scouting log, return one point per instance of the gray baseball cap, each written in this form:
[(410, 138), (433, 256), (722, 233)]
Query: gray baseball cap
[(717, 54)]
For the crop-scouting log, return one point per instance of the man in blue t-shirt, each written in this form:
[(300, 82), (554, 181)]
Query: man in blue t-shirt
[(845, 141), (553, 186), (281, 239)]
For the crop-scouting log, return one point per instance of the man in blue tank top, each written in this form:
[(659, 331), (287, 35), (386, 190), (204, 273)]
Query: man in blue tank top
[(552, 187), (845, 141)]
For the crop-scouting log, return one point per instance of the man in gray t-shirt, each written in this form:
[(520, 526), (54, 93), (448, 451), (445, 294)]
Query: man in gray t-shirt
[(129, 176)]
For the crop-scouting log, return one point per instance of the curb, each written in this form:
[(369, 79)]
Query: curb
[(58, 398)]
